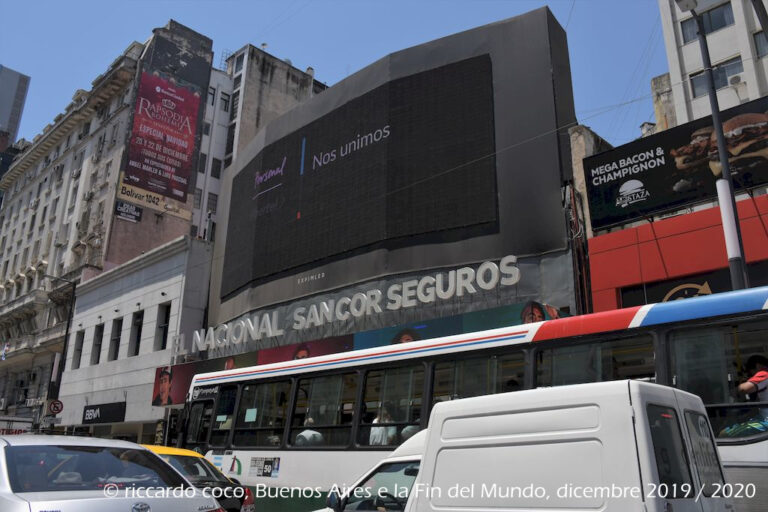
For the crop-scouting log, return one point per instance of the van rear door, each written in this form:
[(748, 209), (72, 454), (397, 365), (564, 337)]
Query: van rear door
[(668, 481)]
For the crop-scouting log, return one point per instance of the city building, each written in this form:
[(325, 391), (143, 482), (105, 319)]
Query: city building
[(737, 46), (13, 94), (129, 166)]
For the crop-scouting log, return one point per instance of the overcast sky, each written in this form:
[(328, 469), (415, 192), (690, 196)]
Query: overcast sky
[(616, 46)]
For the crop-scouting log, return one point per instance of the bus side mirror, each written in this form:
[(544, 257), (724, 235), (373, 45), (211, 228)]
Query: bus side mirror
[(334, 501)]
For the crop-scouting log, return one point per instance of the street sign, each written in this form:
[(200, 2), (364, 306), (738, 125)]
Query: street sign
[(55, 407)]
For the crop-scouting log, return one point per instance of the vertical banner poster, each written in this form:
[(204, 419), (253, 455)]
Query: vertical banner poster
[(162, 147)]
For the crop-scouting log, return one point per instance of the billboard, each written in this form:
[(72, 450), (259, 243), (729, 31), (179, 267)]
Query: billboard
[(677, 167), (379, 168), (446, 154), (162, 147)]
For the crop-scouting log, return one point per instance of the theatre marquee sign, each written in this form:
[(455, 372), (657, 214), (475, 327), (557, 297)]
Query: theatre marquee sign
[(428, 289)]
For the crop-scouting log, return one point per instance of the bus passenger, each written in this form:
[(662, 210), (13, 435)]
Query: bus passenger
[(757, 384), (308, 436), (382, 436)]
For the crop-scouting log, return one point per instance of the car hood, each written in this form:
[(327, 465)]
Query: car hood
[(96, 501)]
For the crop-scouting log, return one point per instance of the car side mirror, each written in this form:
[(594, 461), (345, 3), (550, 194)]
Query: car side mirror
[(334, 501)]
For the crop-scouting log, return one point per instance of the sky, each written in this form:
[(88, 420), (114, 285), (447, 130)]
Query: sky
[(615, 46)]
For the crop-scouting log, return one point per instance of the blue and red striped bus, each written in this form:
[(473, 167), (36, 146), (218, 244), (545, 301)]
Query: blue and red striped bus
[(316, 422)]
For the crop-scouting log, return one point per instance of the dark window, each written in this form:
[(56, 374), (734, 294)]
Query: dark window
[(669, 449), (135, 340), (262, 414), (206, 128), (230, 139), (222, 420), (721, 75), (224, 98), (193, 231), (629, 358), (239, 62), (227, 161), (466, 378), (391, 409), (78, 352), (114, 339), (237, 81), (323, 412), (213, 201), (704, 452), (212, 95), (98, 336), (235, 103), (198, 197), (761, 44), (216, 168), (201, 163), (199, 422), (163, 321), (713, 19)]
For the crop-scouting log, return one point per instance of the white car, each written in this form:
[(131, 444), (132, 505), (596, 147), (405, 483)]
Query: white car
[(74, 474)]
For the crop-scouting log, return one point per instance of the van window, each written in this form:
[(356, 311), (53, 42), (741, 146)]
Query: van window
[(669, 449), (386, 489), (627, 358), (704, 452)]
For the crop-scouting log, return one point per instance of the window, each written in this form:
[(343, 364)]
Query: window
[(114, 339), (212, 96), (198, 197), (213, 200), (98, 335), (222, 420), (391, 409), (713, 19), (628, 358), (206, 128), (202, 162), (193, 231), (134, 343), (224, 98), (237, 81), (199, 422), (216, 168), (163, 321), (78, 352), (239, 62), (704, 452), (323, 412), (720, 73), (262, 414), (466, 378), (235, 104), (386, 489), (761, 44), (230, 139), (669, 449)]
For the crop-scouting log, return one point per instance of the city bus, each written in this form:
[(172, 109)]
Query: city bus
[(293, 430)]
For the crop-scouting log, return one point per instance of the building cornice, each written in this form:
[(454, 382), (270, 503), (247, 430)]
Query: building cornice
[(165, 251)]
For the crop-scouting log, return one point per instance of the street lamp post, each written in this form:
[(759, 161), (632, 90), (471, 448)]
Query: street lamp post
[(55, 383), (725, 192)]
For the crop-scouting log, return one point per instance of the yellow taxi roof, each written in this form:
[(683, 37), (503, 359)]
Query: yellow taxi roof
[(169, 450)]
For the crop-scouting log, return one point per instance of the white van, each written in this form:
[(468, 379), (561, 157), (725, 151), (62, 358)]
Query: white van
[(614, 446)]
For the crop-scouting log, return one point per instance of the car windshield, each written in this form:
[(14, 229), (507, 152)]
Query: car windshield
[(66, 468), (196, 469)]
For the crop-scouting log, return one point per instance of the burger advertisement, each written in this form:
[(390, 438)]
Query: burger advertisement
[(677, 167)]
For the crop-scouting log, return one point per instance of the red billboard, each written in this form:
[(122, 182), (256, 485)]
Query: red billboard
[(162, 148)]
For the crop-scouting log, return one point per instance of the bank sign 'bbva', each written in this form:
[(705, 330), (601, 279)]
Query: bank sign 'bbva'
[(406, 294)]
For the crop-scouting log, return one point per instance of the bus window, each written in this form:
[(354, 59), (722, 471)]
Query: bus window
[(199, 423), (668, 446), (262, 414), (391, 409), (712, 362), (323, 412), (222, 419), (476, 377), (627, 358)]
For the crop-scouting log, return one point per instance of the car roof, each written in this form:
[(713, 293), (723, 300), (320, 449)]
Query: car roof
[(170, 450), (46, 440)]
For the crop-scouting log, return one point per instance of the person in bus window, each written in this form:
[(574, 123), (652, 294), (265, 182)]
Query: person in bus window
[(309, 436), (301, 352), (383, 436), (757, 384), (405, 336), (532, 312)]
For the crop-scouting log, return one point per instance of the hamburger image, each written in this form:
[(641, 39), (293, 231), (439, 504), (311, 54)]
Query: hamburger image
[(746, 139), (695, 154)]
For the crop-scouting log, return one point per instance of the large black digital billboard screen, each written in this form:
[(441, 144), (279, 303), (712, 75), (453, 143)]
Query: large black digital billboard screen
[(411, 157), (677, 167)]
